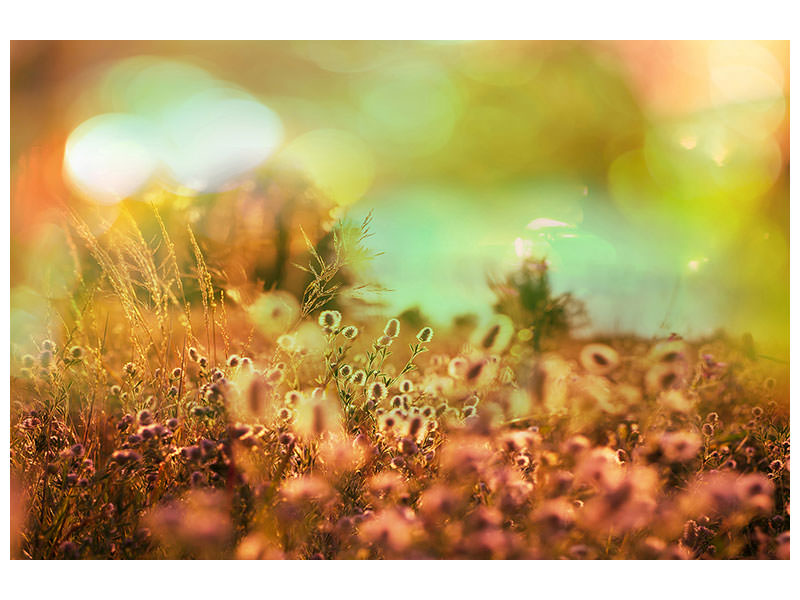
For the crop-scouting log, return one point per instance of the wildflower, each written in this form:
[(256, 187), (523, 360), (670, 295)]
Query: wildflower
[(425, 335), (377, 391), (124, 457), (555, 516), (392, 328), (287, 342), (233, 360), (599, 359), (670, 351), (661, 377), (76, 352), (28, 361), (45, 358), (292, 397), (176, 373), (758, 412), (69, 550), (388, 422), (406, 386), (708, 429), (284, 414), (145, 417), (77, 450), (285, 438), (498, 335), (49, 346), (275, 376), (172, 391), (345, 371), (350, 332), (194, 354), (475, 370), (457, 367), (247, 364), (756, 491), (330, 319), (358, 377), (680, 446), (203, 362), (31, 422), (414, 426), (129, 368), (384, 341)]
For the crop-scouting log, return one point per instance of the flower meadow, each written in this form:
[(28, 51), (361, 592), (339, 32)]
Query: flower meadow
[(178, 407)]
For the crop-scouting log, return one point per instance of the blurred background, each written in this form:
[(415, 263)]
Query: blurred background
[(653, 176)]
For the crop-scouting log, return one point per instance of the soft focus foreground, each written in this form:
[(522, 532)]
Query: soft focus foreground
[(176, 411)]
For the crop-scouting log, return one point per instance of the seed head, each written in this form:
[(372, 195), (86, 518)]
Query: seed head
[(425, 335), (76, 352), (384, 341), (599, 359), (286, 342), (233, 360), (176, 373), (392, 328), (77, 450), (274, 376), (377, 391), (358, 377), (45, 358), (350, 332), (194, 354), (292, 398), (330, 319)]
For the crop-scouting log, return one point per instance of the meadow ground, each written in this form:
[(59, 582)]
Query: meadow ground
[(180, 410)]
